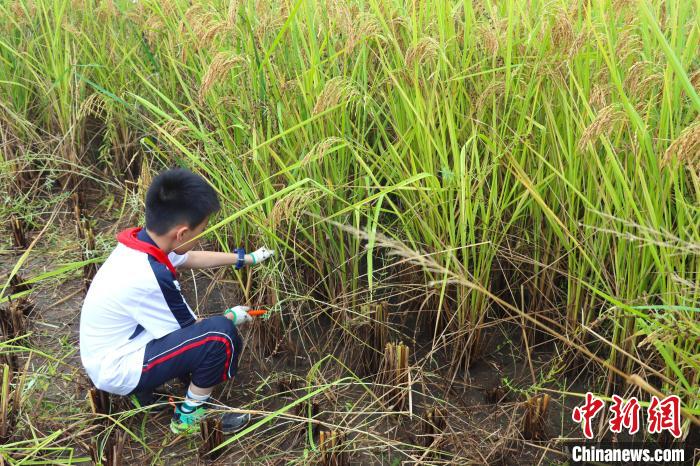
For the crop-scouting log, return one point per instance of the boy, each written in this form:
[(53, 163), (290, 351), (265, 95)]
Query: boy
[(137, 331)]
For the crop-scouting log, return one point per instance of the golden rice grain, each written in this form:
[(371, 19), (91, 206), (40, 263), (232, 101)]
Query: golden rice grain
[(599, 96), (341, 13), (287, 85), (364, 27), (219, 68), (639, 81), (152, 27), (495, 89), (603, 124), (206, 35), (291, 205), (144, 180), (68, 27), (490, 36), (686, 147), (269, 19), (425, 50), (174, 127), (398, 21), (582, 38), (620, 4), (630, 43), (562, 32), (354, 25), (335, 91), (638, 68), (321, 149), (643, 88), (106, 10), (202, 25), (232, 16), (192, 14), (168, 8), (695, 80), (138, 15), (94, 104), (23, 10)]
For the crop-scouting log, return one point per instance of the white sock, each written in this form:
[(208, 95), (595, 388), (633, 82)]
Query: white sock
[(193, 401)]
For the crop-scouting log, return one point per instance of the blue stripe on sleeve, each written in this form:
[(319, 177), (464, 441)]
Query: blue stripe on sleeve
[(171, 293)]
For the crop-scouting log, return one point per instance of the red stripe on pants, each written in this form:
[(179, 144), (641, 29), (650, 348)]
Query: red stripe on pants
[(194, 345)]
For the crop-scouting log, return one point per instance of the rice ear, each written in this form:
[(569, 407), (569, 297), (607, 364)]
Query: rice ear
[(599, 96), (219, 68), (291, 205), (491, 35), (94, 104), (695, 80), (363, 27), (174, 127), (426, 49), (562, 32), (322, 148), (602, 125), (233, 8), (336, 90), (685, 148), (495, 89), (201, 25), (152, 26)]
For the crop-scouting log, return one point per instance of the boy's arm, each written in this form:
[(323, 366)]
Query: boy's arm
[(207, 259)]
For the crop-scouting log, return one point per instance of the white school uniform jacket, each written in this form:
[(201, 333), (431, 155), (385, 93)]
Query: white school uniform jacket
[(132, 300)]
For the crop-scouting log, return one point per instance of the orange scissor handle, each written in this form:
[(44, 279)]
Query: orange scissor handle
[(256, 312)]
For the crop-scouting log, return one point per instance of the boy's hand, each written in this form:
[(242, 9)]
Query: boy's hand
[(239, 315), (260, 255)]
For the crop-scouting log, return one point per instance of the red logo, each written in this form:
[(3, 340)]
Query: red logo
[(624, 415), (665, 415), (587, 412), (661, 415)]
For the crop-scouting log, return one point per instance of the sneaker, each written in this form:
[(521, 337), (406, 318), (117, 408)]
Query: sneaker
[(188, 422), (233, 422), (149, 400)]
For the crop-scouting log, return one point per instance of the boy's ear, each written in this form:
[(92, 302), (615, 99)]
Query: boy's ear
[(180, 231)]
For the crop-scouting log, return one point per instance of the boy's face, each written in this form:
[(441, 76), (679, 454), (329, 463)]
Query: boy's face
[(183, 235)]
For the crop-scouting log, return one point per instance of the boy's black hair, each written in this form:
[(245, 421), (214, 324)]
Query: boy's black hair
[(178, 196)]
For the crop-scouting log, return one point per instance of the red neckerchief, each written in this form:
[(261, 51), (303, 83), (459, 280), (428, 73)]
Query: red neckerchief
[(128, 238)]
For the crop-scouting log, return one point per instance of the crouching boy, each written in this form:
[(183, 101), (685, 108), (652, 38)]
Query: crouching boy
[(136, 329)]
